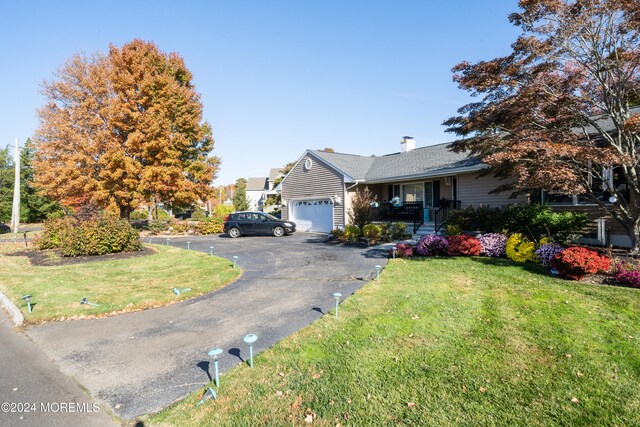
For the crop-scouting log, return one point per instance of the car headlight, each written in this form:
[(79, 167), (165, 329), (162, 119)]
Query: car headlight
[(288, 224)]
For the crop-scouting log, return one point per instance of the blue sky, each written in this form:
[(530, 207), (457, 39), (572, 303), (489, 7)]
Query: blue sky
[(276, 77)]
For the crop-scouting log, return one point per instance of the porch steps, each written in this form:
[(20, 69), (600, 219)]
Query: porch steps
[(426, 228)]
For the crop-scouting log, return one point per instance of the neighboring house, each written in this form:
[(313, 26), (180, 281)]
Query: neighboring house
[(274, 173), (256, 189), (317, 193)]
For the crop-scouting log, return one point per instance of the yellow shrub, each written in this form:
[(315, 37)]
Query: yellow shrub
[(520, 249)]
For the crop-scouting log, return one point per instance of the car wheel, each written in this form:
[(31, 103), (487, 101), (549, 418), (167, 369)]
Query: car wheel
[(234, 232), (278, 231)]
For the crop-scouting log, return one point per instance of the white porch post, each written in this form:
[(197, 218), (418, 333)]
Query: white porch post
[(15, 213)]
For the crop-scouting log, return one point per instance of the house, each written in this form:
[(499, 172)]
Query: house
[(416, 185), (423, 183), (256, 188)]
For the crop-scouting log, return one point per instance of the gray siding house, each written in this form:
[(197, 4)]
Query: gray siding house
[(317, 193)]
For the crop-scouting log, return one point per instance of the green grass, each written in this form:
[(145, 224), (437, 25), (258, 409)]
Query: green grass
[(117, 285), (446, 341)]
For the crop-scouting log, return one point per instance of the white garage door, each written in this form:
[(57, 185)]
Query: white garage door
[(312, 215)]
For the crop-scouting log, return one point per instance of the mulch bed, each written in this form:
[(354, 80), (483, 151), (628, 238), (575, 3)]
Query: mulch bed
[(53, 257)]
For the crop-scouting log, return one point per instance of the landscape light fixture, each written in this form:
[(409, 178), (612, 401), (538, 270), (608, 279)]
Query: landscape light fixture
[(210, 390), (84, 301), (337, 296), (167, 241), (613, 199), (378, 267), (249, 339), (27, 299), (179, 291), (188, 245), (214, 352), (211, 250), (393, 251), (235, 259)]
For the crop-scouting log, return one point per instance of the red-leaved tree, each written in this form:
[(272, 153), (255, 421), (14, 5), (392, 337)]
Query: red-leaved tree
[(558, 113)]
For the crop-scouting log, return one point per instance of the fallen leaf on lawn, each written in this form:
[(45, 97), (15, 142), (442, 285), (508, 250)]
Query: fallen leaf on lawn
[(579, 374), (281, 374), (415, 317), (482, 389), (309, 415), (575, 400), (464, 388), (411, 404), (278, 393), (568, 355)]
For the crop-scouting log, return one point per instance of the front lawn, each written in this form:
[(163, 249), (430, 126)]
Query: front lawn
[(117, 285), (446, 341)]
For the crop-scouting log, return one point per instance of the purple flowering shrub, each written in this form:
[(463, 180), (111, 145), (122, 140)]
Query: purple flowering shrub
[(627, 274), (431, 245), (547, 251), (493, 244)]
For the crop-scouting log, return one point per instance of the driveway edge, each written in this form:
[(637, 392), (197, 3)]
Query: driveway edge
[(12, 309)]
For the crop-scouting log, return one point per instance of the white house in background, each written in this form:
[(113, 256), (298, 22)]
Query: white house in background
[(256, 192)]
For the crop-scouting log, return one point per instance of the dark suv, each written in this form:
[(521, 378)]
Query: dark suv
[(239, 223)]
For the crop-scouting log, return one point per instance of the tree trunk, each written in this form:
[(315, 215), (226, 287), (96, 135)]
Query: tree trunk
[(125, 212)]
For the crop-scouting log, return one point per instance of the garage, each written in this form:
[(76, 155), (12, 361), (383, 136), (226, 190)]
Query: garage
[(312, 215)]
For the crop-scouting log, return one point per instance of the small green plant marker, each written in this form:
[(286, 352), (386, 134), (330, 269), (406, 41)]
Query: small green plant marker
[(27, 299), (84, 301), (249, 339), (337, 296)]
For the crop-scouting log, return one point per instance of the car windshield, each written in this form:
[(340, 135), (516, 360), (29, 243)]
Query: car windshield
[(271, 217)]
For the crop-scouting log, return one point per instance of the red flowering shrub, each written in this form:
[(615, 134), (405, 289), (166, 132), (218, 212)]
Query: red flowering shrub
[(464, 245), (404, 250), (574, 263)]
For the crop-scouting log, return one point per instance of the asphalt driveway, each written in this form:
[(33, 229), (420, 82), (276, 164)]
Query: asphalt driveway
[(140, 362)]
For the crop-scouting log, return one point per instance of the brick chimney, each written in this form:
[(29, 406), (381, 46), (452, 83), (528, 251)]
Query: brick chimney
[(407, 144)]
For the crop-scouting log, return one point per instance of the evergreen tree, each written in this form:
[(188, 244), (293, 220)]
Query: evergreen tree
[(240, 202), (33, 206), (6, 185)]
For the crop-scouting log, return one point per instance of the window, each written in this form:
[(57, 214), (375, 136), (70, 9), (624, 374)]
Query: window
[(413, 192)]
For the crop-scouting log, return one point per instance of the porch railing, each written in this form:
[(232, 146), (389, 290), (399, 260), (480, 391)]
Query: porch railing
[(409, 212), (442, 213)]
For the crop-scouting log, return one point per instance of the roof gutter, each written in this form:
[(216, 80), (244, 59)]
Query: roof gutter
[(358, 181)]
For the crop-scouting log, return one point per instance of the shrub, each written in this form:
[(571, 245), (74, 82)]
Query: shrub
[(360, 212), (627, 274), (139, 214), (464, 245), (481, 218), (431, 245), (103, 235), (576, 262), (493, 244), (199, 214), (372, 231), (546, 251), (157, 227), (398, 231), (352, 233), (338, 234), (209, 226), (404, 250), (520, 249)]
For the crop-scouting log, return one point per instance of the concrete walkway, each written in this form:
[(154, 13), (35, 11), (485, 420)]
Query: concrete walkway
[(139, 363)]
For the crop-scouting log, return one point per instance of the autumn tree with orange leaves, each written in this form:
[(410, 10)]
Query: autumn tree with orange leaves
[(122, 128), (542, 110)]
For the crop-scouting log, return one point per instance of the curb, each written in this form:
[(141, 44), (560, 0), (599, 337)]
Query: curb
[(12, 309)]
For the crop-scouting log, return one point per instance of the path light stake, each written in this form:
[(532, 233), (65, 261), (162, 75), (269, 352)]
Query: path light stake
[(214, 352), (211, 250), (249, 339), (378, 268), (27, 298), (179, 291), (393, 251), (235, 259), (167, 242), (86, 301), (188, 245), (214, 396), (337, 296)]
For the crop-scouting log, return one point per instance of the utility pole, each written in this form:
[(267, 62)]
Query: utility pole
[(15, 213)]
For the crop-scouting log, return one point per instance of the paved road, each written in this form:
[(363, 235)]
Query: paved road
[(140, 362), (35, 390)]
